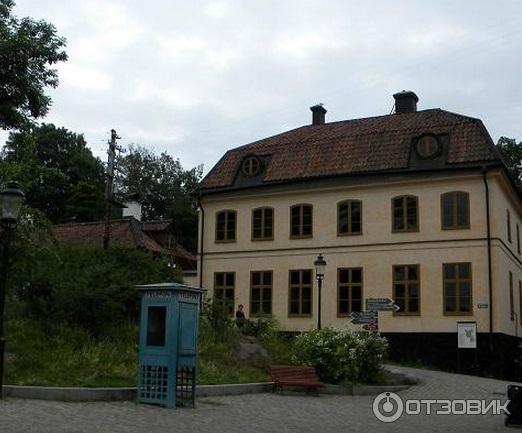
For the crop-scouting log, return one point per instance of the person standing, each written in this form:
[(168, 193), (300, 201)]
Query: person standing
[(240, 316)]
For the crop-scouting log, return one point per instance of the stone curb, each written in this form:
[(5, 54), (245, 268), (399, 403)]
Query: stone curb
[(73, 394), (114, 394)]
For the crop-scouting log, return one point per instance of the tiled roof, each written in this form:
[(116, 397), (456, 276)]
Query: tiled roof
[(158, 225), (356, 146), (125, 233)]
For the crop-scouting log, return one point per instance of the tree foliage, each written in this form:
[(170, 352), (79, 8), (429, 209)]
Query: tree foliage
[(165, 188), (82, 286), (28, 49), (511, 152), (58, 172)]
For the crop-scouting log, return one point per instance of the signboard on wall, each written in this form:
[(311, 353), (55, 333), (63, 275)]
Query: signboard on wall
[(467, 335)]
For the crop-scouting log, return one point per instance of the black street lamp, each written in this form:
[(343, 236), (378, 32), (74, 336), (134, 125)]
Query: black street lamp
[(320, 266), (12, 199)]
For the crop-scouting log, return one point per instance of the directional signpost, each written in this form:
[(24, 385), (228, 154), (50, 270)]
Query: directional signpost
[(381, 304), (370, 318), (363, 317)]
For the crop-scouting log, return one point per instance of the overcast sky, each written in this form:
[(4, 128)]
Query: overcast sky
[(195, 78)]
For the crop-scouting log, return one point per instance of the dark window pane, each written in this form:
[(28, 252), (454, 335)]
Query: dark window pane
[(451, 289), (412, 273), (257, 233), (267, 278), (343, 292), (464, 270), (156, 325), (447, 210), (450, 304), (220, 279), (343, 218), (307, 293), (307, 277), (230, 279), (356, 293), (294, 307), (399, 291), (294, 277), (413, 305), (343, 275), (463, 209), (356, 305), (343, 307), (256, 278), (465, 304), (399, 273), (356, 275), (267, 294), (294, 294), (449, 271), (256, 294), (465, 289), (400, 303), (307, 307), (413, 290)]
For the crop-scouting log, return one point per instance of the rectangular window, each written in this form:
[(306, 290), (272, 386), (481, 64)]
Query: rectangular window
[(349, 290), (224, 283), (405, 214), (508, 222), (455, 210), (301, 221), (263, 224), (226, 226), (457, 288), (156, 325), (260, 293), (511, 300), (300, 293), (349, 217), (406, 288)]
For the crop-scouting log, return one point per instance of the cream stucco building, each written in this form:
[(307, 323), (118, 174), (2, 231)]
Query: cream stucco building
[(416, 206)]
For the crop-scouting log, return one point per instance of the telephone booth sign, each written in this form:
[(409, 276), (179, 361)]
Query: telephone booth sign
[(168, 344)]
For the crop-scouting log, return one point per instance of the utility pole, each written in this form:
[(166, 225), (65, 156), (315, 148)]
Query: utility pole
[(111, 162)]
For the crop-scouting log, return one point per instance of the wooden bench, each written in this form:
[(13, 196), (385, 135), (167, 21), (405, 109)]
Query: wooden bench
[(295, 376)]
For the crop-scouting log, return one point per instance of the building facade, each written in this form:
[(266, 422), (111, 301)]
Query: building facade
[(416, 206)]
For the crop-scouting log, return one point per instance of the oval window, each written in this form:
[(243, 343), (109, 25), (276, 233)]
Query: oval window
[(428, 146), (251, 166)]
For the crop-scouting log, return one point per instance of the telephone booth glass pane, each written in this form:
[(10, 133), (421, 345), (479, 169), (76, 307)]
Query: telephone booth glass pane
[(156, 326)]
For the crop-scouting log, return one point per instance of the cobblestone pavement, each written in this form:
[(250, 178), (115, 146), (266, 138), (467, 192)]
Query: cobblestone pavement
[(261, 413)]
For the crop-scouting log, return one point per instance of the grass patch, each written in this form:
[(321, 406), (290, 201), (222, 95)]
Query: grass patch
[(62, 355)]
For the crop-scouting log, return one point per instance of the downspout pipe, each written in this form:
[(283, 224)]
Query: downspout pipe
[(490, 279), (201, 243)]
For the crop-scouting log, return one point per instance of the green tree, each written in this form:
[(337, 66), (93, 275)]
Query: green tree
[(165, 188), (28, 49), (511, 152), (58, 172)]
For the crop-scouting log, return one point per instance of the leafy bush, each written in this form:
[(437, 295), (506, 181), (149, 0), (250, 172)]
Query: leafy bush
[(341, 355), (262, 328)]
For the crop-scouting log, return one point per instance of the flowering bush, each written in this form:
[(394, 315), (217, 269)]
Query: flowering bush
[(341, 355)]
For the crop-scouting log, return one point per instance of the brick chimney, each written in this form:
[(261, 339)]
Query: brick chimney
[(318, 112), (405, 102)]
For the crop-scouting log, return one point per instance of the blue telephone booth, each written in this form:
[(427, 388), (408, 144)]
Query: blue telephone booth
[(168, 344)]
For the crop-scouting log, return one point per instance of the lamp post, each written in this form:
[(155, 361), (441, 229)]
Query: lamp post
[(12, 199), (320, 266)]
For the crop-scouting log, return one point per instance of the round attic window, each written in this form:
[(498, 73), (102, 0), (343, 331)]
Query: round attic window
[(428, 146), (251, 166)]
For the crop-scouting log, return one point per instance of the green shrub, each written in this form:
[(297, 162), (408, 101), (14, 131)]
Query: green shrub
[(85, 286), (341, 355)]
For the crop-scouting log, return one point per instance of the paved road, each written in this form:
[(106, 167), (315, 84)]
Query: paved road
[(260, 413)]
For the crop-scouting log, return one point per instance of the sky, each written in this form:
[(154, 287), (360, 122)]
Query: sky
[(195, 78)]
